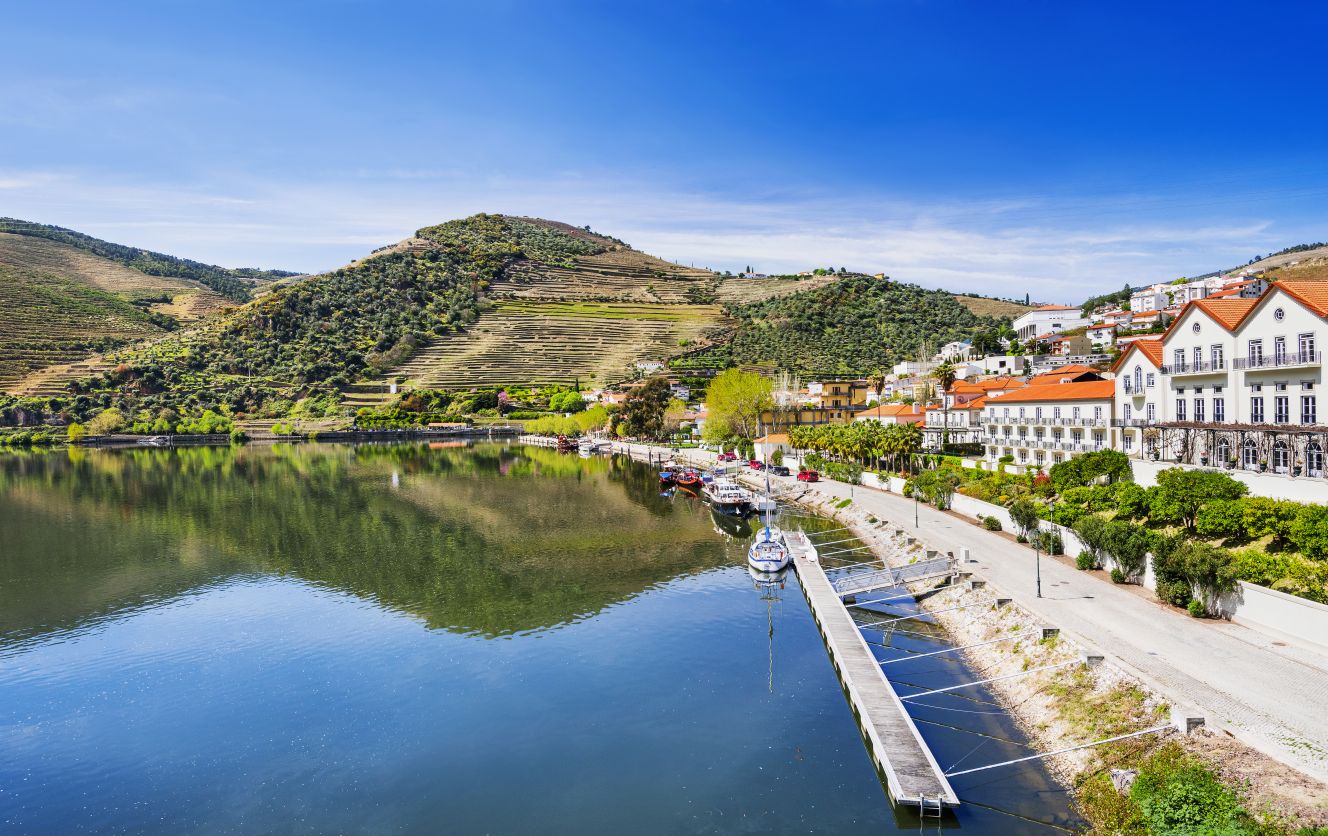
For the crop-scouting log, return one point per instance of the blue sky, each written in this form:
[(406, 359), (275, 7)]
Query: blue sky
[(1049, 147)]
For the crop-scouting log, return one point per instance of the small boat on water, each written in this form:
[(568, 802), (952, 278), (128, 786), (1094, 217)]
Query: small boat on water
[(666, 477), (728, 497), (768, 553), (688, 479)]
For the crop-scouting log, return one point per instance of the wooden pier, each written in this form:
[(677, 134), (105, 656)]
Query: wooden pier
[(912, 776)]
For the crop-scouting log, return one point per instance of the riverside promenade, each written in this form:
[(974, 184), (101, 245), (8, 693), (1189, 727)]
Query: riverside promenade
[(1270, 695)]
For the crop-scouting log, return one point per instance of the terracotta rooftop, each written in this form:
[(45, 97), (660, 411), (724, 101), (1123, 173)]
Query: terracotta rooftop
[(1311, 294), (1150, 348), (894, 410), (1227, 312), (1088, 390)]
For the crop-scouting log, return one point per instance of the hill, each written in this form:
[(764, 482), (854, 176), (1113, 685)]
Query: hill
[(995, 308), (1305, 262), (856, 325), (234, 284), (60, 303)]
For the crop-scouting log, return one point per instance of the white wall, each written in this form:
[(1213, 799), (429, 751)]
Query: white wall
[(1261, 608), (1271, 485)]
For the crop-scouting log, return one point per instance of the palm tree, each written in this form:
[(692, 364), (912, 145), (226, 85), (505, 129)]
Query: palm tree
[(945, 374)]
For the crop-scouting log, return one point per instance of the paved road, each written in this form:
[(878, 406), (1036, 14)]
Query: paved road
[(1273, 697)]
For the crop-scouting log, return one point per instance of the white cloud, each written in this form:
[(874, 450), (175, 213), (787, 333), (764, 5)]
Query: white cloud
[(1006, 246)]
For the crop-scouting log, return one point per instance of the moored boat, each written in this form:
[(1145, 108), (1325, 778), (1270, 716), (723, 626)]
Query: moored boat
[(768, 553), (666, 477), (689, 479), (728, 497)]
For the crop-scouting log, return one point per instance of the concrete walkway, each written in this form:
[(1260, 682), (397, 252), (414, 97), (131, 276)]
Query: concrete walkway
[(1270, 695)]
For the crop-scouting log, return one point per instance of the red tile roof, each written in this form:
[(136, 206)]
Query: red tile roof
[(1227, 312), (1149, 347), (1088, 390), (1311, 294), (897, 411)]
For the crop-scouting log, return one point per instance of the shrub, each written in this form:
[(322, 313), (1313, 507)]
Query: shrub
[(1117, 576), (1019, 538), (1128, 546), (1176, 794), (991, 523), (75, 432), (1197, 608), (1131, 501), (107, 421), (1050, 542), (1220, 518), (1264, 517), (1086, 560), (1309, 531)]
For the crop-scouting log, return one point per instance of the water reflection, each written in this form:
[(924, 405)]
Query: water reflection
[(492, 539)]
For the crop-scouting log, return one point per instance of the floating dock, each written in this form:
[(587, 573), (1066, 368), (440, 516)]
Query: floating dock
[(912, 776)]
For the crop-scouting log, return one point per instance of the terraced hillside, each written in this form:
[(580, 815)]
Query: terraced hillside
[(522, 342), (619, 275), (740, 291), (998, 308), (46, 319), (59, 304)]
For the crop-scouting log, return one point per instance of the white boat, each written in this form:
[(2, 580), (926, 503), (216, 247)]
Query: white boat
[(768, 553), (728, 497)]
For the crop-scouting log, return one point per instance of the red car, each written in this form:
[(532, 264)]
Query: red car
[(728, 457), (808, 476), (755, 464)]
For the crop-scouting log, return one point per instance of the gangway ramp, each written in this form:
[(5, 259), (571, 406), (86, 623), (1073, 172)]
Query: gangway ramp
[(912, 776), (888, 576)]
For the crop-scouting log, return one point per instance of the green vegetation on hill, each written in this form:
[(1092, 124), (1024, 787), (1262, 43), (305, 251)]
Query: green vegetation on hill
[(47, 319), (854, 326), (231, 283)]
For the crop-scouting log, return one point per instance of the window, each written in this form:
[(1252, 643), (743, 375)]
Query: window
[(1219, 409), (1152, 378), (1223, 451), (1138, 379), (1256, 387), (1314, 459), (1125, 413), (1097, 413), (1180, 409), (1128, 441), (1256, 410), (1056, 412), (1151, 412), (1306, 348), (1198, 357), (1308, 413), (1075, 413), (1199, 409), (1178, 359), (1219, 360), (1007, 411), (1281, 409), (1021, 412), (1256, 353), (1279, 350), (1037, 413)]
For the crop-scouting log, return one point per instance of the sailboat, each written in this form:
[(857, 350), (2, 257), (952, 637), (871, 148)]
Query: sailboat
[(768, 553)]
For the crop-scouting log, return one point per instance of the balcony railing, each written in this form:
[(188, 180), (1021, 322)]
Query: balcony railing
[(1129, 422), (1280, 361), (1203, 367)]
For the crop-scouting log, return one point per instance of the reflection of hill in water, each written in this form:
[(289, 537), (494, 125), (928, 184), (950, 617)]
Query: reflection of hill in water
[(492, 540)]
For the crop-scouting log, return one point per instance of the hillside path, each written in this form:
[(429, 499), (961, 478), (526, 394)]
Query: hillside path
[(1271, 695)]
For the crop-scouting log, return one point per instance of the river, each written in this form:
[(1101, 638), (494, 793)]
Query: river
[(417, 638)]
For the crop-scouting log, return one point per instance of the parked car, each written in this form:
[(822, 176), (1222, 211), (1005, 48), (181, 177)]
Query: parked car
[(756, 464), (779, 470), (808, 476), (728, 457)]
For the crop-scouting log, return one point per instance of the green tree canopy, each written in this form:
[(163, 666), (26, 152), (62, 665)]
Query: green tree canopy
[(734, 402)]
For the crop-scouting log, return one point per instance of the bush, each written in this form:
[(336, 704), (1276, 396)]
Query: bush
[(1117, 576), (1131, 501), (1220, 518), (1176, 794), (108, 421), (1050, 542), (1086, 561), (991, 523), (1264, 517), (1180, 493), (1197, 608), (1128, 546), (1024, 514), (1309, 531), (75, 432)]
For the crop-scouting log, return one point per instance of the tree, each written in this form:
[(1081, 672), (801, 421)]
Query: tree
[(945, 375), (735, 400), (1181, 493), (673, 415), (643, 411), (1023, 513), (76, 432), (107, 421)]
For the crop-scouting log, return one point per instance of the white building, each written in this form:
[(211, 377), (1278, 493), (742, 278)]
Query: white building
[(1233, 383), (1002, 364), (1048, 422), (1048, 319), (956, 351), (914, 368)]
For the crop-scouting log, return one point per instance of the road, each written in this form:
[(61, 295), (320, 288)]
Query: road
[(1271, 695)]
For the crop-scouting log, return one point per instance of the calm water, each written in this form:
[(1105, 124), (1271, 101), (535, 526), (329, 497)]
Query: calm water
[(413, 639)]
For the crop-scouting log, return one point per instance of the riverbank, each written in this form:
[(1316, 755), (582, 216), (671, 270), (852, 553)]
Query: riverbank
[(1074, 706)]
